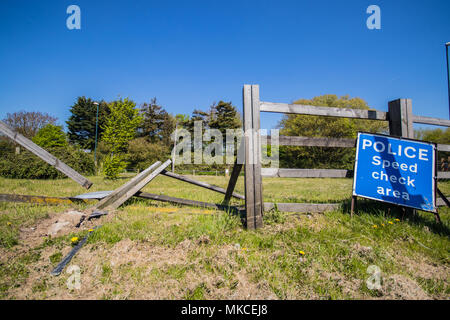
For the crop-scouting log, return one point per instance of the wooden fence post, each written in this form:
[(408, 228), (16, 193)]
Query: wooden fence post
[(253, 181), (401, 118), (401, 125)]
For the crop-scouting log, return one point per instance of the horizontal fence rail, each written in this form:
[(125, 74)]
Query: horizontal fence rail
[(298, 141), (323, 111), (306, 173), (429, 120), (313, 142), (320, 173), (443, 175), (302, 207)]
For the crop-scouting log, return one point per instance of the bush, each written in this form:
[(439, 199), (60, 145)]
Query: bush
[(29, 166), (113, 165), (51, 136), (143, 154)]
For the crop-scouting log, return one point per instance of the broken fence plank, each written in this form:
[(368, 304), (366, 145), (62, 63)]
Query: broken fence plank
[(136, 187), (233, 180), (35, 199), (200, 184), (114, 195), (44, 155), (187, 202)]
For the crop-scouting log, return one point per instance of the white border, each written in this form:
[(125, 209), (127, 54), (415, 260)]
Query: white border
[(433, 176)]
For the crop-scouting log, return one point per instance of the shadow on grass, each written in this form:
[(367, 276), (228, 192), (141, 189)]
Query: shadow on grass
[(390, 210)]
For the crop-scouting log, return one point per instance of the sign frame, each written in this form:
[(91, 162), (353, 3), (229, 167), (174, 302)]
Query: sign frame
[(434, 168)]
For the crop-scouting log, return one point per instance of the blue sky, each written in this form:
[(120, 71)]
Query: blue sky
[(191, 53)]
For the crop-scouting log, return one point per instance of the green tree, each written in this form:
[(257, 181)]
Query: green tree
[(436, 136), (82, 122), (120, 128), (157, 125), (225, 116), (51, 136), (319, 126), (143, 153)]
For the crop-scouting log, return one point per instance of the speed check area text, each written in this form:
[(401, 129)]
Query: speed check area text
[(395, 170)]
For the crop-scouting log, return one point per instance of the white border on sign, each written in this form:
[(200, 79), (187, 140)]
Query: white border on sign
[(433, 176)]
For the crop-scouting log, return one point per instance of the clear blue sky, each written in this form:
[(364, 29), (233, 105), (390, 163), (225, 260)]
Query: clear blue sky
[(191, 53)]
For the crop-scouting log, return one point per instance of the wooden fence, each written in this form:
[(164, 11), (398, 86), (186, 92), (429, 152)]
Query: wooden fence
[(399, 116)]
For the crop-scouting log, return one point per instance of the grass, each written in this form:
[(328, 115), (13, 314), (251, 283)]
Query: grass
[(154, 250)]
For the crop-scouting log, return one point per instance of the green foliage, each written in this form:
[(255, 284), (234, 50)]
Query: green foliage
[(28, 166), (222, 116), (114, 165), (157, 125), (141, 153), (225, 116), (120, 127), (81, 124), (51, 136), (319, 126), (436, 136)]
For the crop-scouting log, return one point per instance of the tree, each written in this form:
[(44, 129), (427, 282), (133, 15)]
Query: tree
[(28, 123), (143, 153), (157, 124), (319, 126), (51, 136), (81, 124), (436, 136), (225, 116), (119, 128)]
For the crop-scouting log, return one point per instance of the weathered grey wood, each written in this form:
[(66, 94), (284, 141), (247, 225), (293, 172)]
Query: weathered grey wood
[(117, 193), (36, 199), (302, 207), (315, 142), (401, 125), (249, 161), (141, 184), (233, 180), (441, 203), (306, 173), (200, 183), (401, 118), (443, 175), (443, 147), (187, 202), (430, 120), (259, 205), (44, 155), (323, 111), (444, 199)]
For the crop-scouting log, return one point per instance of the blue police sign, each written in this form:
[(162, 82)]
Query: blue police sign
[(396, 170)]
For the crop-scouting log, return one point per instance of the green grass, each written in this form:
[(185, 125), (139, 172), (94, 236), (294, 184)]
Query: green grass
[(192, 253)]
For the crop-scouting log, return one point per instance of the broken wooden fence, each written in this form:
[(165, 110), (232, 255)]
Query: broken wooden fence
[(44, 155), (399, 116)]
